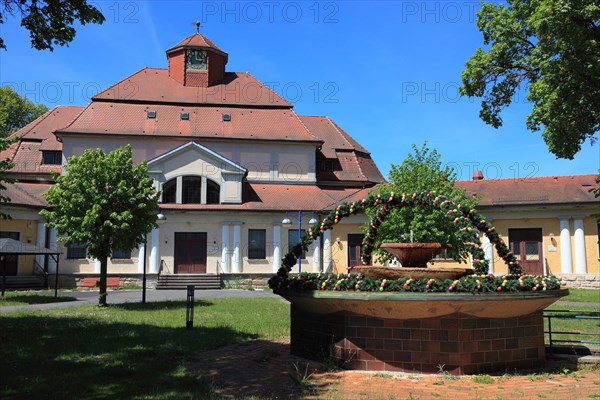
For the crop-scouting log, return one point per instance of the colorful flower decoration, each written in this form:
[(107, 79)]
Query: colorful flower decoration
[(469, 224)]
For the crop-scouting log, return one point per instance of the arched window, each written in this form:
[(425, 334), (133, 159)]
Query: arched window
[(213, 192), (169, 192), (192, 189)]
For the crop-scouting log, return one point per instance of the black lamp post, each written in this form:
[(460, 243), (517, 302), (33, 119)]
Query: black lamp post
[(287, 221)]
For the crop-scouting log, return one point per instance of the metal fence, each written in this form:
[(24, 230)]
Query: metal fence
[(571, 337)]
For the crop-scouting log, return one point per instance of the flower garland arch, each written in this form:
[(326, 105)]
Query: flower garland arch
[(469, 225)]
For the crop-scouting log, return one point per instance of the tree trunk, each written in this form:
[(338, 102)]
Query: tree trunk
[(103, 273)]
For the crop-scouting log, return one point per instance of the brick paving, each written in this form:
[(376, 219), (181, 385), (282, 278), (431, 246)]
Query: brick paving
[(265, 370)]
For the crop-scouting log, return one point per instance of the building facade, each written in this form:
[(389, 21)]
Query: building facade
[(551, 224), (231, 158)]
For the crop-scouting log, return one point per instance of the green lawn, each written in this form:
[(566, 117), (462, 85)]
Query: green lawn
[(583, 295), (132, 351), (579, 325), (23, 298)]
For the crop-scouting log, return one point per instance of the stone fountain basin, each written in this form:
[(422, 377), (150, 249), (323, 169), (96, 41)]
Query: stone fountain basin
[(405, 305)]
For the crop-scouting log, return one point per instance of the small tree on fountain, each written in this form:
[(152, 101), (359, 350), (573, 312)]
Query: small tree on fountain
[(422, 170)]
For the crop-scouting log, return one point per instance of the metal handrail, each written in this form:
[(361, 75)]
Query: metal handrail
[(163, 266), (580, 315), (38, 271)]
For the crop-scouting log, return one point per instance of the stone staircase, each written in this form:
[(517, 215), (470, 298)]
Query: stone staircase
[(23, 282), (181, 281)]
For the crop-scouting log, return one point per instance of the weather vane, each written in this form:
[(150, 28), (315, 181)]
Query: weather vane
[(197, 24)]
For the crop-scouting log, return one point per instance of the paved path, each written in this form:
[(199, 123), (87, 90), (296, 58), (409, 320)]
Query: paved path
[(266, 370), (90, 297), (85, 298)]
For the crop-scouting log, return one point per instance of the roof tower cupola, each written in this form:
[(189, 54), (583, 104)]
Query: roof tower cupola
[(196, 61)]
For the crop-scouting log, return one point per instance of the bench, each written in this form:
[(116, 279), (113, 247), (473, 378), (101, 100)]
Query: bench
[(94, 282)]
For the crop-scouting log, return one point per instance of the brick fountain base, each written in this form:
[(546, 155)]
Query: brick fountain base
[(421, 332)]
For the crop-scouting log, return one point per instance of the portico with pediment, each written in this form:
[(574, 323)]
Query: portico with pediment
[(194, 174)]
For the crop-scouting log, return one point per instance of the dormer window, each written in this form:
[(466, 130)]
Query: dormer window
[(196, 59), (51, 157)]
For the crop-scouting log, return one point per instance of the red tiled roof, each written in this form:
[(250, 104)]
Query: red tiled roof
[(533, 191), (155, 86), (27, 158), (355, 161), (27, 194), (263, 197), (369, 169), (333, 136), (196, 40), (36, 137), (206, 122), (43, 127)]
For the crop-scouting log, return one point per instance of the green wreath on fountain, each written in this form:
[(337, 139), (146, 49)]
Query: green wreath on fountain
[(469, 224)]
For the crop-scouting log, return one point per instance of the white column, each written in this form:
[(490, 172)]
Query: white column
[(580, 262), (41, 242), (203, 190), (488, 249), (179, 190), (141, 257), (276, 247), (153, 268), (53, 245), (317, 255), (327, 254), (225, 248), (97, 266), (565, 247), (237, 268)]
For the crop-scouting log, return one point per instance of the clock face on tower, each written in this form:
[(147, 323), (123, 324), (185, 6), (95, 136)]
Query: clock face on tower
[(196, 59)]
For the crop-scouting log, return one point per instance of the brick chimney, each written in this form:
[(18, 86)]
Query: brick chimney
[(477, 175), (196, 61)]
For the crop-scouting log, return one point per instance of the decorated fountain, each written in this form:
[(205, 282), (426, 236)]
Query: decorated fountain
[(416, 318)]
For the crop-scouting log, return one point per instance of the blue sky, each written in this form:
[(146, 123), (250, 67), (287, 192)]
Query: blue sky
[(387, 72)]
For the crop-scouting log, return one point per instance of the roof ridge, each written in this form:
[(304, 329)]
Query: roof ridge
[(29, 127), (339, 130), (530, 178), (119, 82), (340, 200), (305, 127), (268, 88), (27, 194), (83, 108), (313, 116)]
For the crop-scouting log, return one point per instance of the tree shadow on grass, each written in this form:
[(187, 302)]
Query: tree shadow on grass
[(259, 368), (160, 305), (95, 357), (10, 299)]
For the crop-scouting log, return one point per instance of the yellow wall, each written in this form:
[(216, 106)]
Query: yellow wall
[(590, 228), (551, 246), (27, 229), (339, 251)]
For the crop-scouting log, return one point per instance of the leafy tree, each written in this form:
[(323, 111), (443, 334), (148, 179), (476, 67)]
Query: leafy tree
[(16, 111), (596, 192), (551, 48), (50, 22), (105, 201), (5, 165), (422, 171)]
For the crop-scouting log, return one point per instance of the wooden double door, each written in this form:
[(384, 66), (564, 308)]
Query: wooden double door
[(526, 245), (354, 249), (190, 253)]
